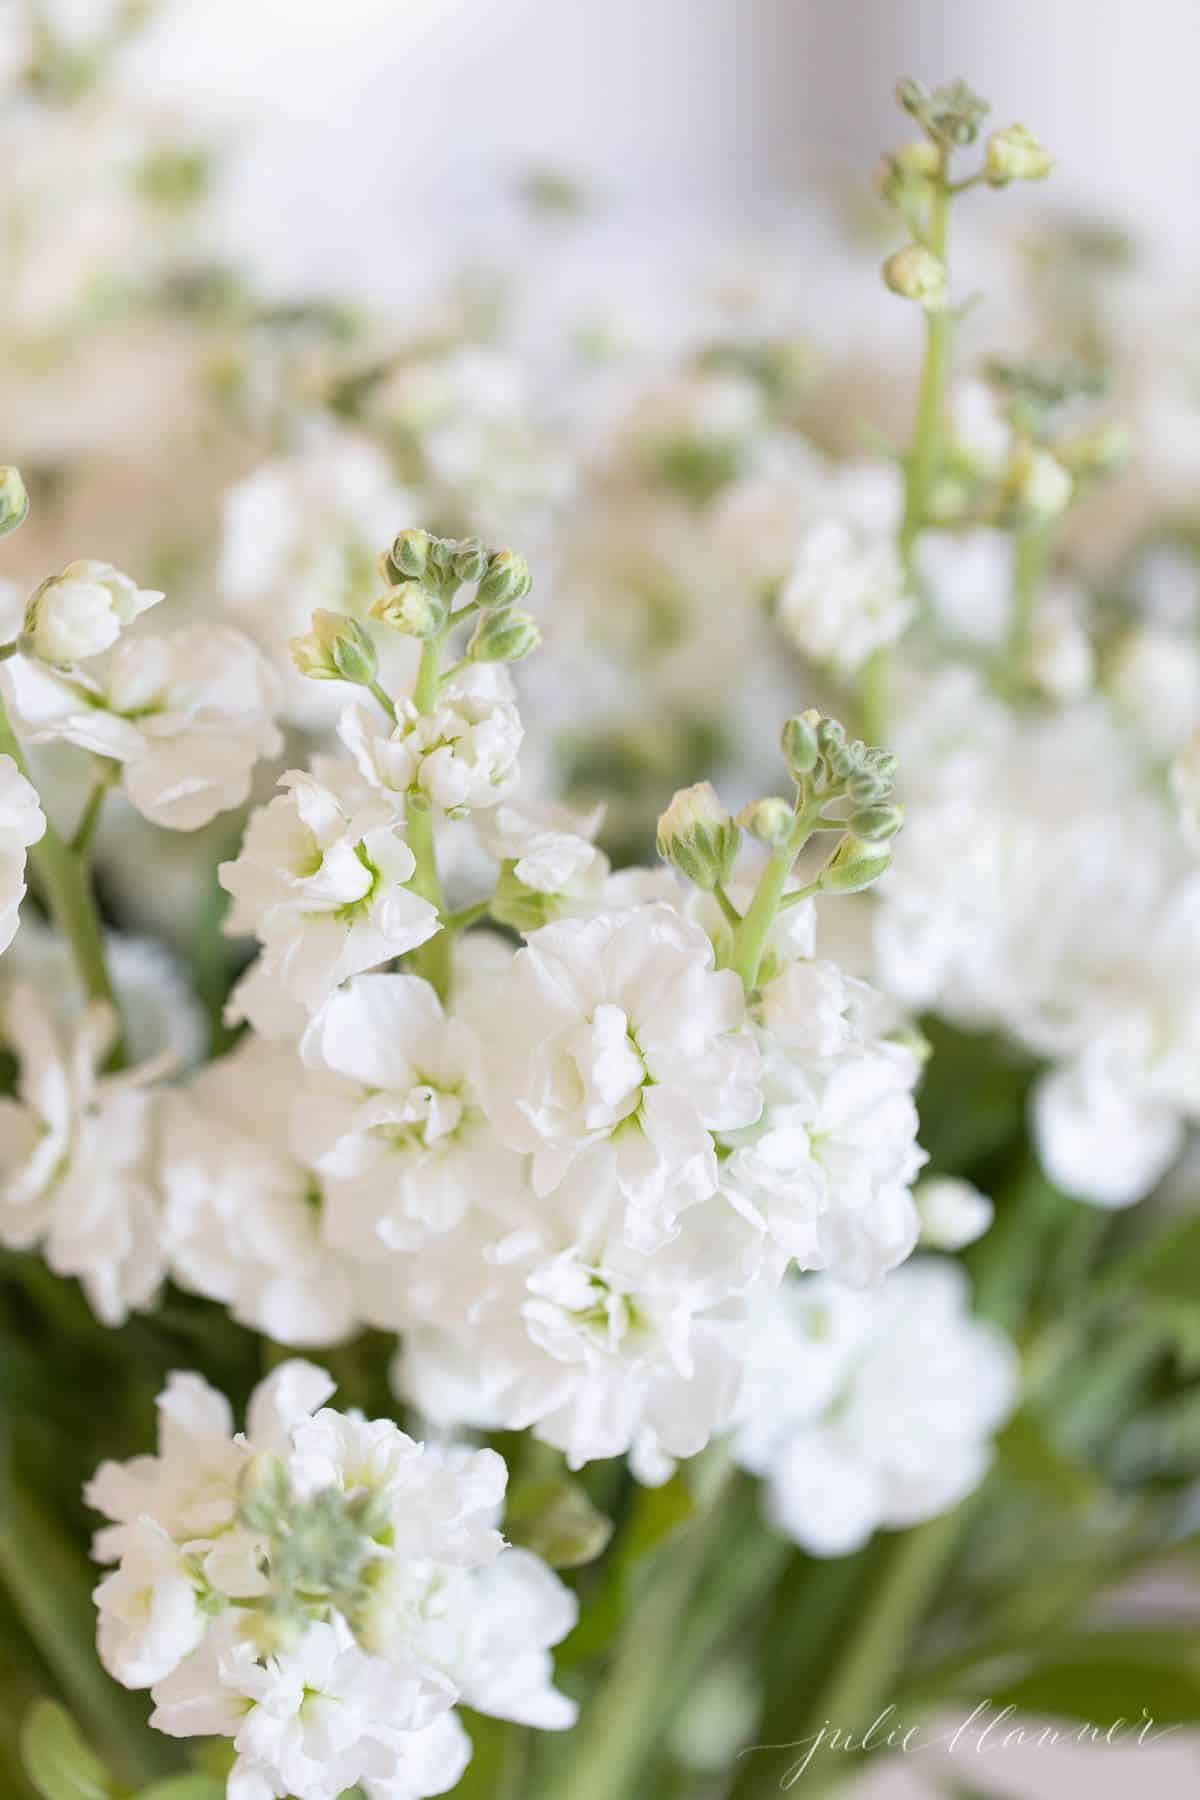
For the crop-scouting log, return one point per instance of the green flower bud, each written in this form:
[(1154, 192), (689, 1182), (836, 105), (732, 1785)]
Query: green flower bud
[(853, 866), (14, 501), (799, 740), (337, 648), (698, 836), (507, 579), (915, 273), (504, 637), (771, 821), (1015, 154), (877, 823), (555, 1519), (410, 553), (830, 736), (412, 609), (864, 789), (470, 560)]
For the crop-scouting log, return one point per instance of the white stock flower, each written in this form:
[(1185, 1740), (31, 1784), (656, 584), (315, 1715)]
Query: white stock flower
[(159, 1012), (81, 612), (244, 1222), (22, 823), (1154, 679), (321, 881), (187, 713), (399, 1134), (76, 1164), (316, 1717), (952, 1212), (614, 1053), (599, 1348), (870, 1409), (448, 1615), (460, 756), (844, 596), (550, 850), (827, 1168)]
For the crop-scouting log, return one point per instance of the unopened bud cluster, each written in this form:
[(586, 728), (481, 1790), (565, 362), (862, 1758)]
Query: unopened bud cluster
[(317, 1553), (833, 770), (424, 573), (914, 180)]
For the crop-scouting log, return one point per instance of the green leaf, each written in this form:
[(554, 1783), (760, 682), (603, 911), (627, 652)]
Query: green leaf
[(57, 1758), (1133, 1674), (656, 1514), (1167, 1268), (1027, 1455)]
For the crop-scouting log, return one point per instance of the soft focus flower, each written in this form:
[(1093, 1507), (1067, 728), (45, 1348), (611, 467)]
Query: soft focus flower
[(76, 1157), (22, 823), (953, 1213), (81, 612), (870, 1409), (187, 713)]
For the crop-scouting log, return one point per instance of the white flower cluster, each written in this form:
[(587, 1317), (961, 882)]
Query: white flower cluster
[(1044, 890), (323, 1590), (869, 1410), (569, 1184), (185, 713)]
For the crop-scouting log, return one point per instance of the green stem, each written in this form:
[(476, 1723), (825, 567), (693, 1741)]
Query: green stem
[(624, 1721), (90, 816), (751, 934), (379, 692), (1031, 548), (63, 880), (924, 458), (732, 915), (432, 958), (912, 1567), (914, 1564), (927, 436)]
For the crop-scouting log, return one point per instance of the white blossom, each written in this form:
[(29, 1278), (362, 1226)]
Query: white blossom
[(76, 1157), (827, 1168), (244, 1221), (321, 880), (460, 756), (340, 1697), (81, 612), (843, 594), (187, 713), (614, 1053), (22, 823), (953, 1213), (399, 1133), (875, 1408)]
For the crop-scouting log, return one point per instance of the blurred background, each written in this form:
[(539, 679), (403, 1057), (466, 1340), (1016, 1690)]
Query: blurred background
[(220, 214)]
